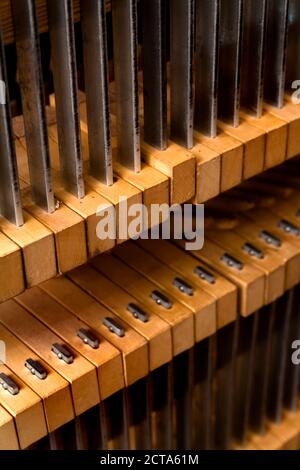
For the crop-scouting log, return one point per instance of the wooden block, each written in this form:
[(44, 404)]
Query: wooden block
[(267, 441), (11, 269), (276, 137), (54, 391), (178, 317), (231, 152), (58, 319), (132, 346), (26, 407), (67, 227), (289, 254), (287, 434), (123, 196), (176, 163), (208, 173), (254, 141), (290, 114), (183, 263), (250, 281), (8, 434), (81, 374), (38, 248), (156, 331), (271, 265), (202, 304)]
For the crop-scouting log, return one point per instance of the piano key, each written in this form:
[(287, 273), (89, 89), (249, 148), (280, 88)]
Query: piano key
[(25, 407), (223, 291), (181, 71), (229, 64), (252, 65), (10, 202), (201, 304), (63, 63), (178, 317), (89, 311), (124, 16), (81, 374), (11, 272), (154, 72), (275, 51), (54, 391), (207, 17), (30, 78), (8, 434), (93, 23)]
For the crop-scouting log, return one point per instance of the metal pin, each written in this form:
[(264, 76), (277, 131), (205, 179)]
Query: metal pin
[(32, 93), (206, 66), (10, 202), (155, 72), (254, 22), (124, 15), (93, 23), (63, 63), (182, 48), (275, 51), (293, 47), (229, 66)]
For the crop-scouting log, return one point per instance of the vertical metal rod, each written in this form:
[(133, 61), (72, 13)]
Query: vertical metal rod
[(93, 23), (32, 93), (254, 22), (10, 201), (293, 47), (181, 71), (206, 66), (229, 64), (275, 51), (63, 63), (124, 13), (155, 72)]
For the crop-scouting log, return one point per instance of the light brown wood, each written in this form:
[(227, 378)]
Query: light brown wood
[(37, 245), (289, 254), (81, 375), (231, 152), (208, 173), (176, 163), (179, 317), (11, 269), (132, 346), (202, 304), (64, 324), (8, 434), (286, 433), (276, 137), (54, 391), (254, 141), (250, 281), (156, 332), (271, 264), (26, 408), (184, 264), (290, 114)]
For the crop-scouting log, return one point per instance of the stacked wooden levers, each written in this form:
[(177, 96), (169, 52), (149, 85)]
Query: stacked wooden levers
[(142, 344)]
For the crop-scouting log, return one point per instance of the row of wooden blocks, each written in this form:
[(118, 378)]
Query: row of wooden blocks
[(48, 244), (56, 310)]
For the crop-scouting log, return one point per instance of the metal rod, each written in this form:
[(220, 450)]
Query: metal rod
[(206, 66), (254, 22), (63, 63), (93, 23), (181, 71), (32, 93), (293, 48), (229, 65), (124, 13), (155, 72), (10, 201), (275, 51)]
